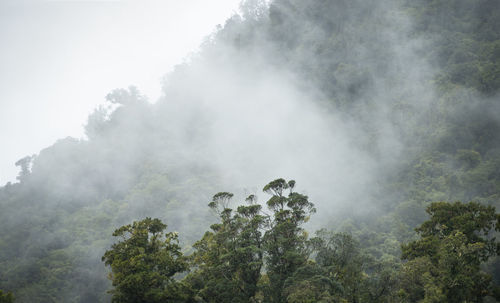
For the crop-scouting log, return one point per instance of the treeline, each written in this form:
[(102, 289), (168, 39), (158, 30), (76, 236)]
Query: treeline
[(255, 256)]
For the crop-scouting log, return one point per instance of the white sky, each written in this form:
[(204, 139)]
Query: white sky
[(59, 58)]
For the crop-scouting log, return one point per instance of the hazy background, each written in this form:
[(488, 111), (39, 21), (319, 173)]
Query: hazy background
[(58, 59)]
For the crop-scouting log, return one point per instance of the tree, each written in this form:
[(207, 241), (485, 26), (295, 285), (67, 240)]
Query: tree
[(311, 283), (124, 96), (230, 257), (285, 240), (144, 262), (25, 165), (444, 265), (341, 258)]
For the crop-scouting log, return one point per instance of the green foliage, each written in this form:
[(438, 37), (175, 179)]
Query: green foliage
[(228, 259), (445, 264), (7, 297), (311, 283), (466, 45), (250, 256), (144, 262), (360, 278), (340, 256), (285, 240)]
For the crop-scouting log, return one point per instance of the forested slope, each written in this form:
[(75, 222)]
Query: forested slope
[(377, 108)]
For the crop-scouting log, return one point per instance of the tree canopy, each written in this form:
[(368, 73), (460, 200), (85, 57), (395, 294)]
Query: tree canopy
[(444, 265), (254, 256), (144, 262)]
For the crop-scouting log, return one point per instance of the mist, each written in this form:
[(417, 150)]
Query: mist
[(341, 96), (249, 115), (60, 58)]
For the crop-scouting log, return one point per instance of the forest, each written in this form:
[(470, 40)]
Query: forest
[(386, 114)]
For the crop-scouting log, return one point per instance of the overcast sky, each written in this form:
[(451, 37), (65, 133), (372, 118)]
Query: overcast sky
[(59, 58)]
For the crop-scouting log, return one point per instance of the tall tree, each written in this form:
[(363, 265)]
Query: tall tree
[(444, 264), (144, 262), (285, 240), (229, 258)]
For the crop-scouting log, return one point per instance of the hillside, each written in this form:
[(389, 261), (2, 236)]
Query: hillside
[(376, 108)]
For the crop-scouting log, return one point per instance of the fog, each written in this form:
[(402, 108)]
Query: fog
[(59, 59), (239, 108), (255, 119)]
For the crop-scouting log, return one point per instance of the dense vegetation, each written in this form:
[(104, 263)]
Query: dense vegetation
[(408, 91), (252, 256)]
